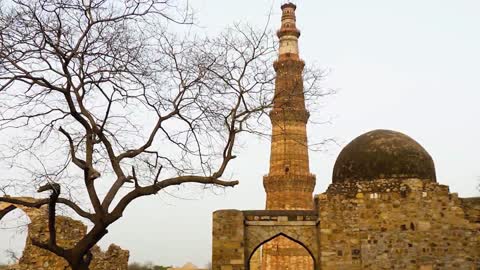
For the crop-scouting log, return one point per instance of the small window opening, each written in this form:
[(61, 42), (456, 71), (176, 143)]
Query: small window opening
[(355, 254)]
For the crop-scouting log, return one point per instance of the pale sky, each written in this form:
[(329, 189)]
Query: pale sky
[(410, 66)]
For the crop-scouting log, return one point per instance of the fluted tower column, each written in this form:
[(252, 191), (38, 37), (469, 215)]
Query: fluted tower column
[(289, 184)]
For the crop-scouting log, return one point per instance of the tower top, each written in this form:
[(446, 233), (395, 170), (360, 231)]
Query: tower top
[(289, 20), (288, 33), (289, 5)]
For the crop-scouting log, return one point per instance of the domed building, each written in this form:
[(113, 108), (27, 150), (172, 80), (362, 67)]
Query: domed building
[(383, 154), (381, 160), (384, 209)]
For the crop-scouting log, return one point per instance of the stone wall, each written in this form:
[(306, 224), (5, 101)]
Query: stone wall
[(286, 236), (228, 240), (471, 206), (379, 224), (115, 258), (291, 237), (69, 231), (412, 224)]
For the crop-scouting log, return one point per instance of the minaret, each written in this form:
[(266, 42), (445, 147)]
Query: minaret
[(289, 184)]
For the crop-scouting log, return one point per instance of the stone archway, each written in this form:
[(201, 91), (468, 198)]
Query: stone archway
[(14, 223), (69, 232), (258, 234), (237, 234), (270, 255), (32, 213)]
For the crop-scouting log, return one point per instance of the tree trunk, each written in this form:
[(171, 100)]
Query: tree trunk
[(80, 266)]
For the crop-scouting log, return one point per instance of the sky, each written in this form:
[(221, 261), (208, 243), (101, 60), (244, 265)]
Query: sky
[(410, 66)]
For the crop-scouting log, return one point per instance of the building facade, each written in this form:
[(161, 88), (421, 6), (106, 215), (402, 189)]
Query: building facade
[(383, 210)]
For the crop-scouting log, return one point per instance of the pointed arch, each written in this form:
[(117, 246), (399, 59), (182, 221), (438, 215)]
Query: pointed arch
[(252, 252), (256, 236)]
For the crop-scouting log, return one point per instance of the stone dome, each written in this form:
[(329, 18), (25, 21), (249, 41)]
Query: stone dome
[(383, 154)]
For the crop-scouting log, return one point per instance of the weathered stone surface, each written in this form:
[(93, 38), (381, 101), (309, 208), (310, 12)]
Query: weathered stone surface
[(426, 228), (115, 258), (471, 206), (305, 233), (384, 209), (238, 236), (228, 240), (289, 184), (69, 231), (282, 253)]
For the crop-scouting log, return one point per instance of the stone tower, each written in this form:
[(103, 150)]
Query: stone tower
[(289, 184)]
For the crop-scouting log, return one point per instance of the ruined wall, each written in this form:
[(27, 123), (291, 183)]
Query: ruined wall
[(471, 206), (69, 231), (407, 224), (115, 258)]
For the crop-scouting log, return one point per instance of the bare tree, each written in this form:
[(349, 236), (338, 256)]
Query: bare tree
[(12, 256), (104, 105)]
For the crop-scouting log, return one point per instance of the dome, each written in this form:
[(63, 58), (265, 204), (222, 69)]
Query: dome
[(383, 154)]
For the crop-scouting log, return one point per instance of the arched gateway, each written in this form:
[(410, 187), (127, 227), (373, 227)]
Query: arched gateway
[(270, 255), (69, 232), (238, 234)]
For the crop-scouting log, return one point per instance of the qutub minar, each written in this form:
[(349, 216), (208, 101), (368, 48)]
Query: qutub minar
[(289, 184), (383, 210)]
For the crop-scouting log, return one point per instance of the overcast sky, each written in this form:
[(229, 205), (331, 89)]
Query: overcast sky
[(410, 66)]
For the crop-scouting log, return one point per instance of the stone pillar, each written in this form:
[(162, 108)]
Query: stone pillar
[(228, 240)]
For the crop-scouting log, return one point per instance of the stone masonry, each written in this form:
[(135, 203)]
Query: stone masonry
[(425, 227), (415, 224), (289, 184), (384, 208), (69, 231)]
